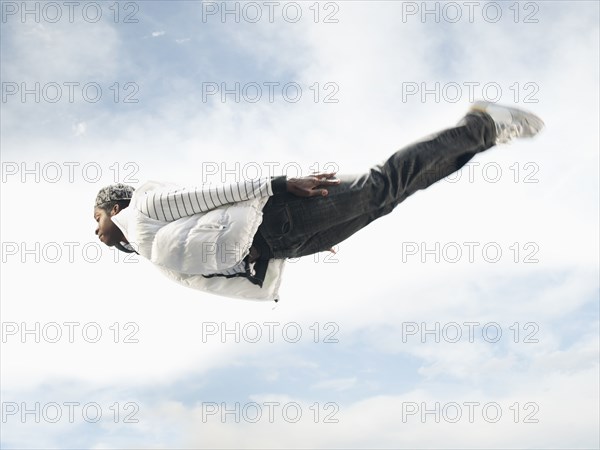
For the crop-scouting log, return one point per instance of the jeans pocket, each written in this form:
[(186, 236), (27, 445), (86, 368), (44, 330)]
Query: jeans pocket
[(277, 221)]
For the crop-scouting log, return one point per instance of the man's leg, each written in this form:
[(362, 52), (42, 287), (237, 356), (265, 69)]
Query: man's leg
[(295, 226), (301, 226)]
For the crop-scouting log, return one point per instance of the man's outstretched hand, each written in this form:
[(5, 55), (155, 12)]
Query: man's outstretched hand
[(312, 185)]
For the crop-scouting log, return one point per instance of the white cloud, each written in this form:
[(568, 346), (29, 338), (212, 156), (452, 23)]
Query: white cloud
[(79, 128), (339, 384)]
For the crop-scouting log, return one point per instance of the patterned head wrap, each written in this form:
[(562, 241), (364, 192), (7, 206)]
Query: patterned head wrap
[(114, 193)]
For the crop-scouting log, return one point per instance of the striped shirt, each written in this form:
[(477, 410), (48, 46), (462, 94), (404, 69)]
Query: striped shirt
[(173, 205)]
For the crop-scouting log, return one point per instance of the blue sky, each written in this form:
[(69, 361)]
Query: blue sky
[(371, 295)]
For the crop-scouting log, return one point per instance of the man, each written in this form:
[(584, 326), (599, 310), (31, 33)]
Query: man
[(233, 239)]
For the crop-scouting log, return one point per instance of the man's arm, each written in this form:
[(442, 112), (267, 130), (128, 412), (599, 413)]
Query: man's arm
[(172, 205)]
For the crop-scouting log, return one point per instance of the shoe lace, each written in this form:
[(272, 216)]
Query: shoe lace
[(506, 132)]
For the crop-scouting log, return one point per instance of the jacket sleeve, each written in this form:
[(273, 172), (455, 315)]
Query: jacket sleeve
[(182, 202)]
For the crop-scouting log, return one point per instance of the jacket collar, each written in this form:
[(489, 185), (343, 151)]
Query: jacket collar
[(122, 220)]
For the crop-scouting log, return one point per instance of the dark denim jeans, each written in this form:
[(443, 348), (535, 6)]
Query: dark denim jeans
[(297, 226)]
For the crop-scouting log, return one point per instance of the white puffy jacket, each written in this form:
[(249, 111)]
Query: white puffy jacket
[(206, 230)]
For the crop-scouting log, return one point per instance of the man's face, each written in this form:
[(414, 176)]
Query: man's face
[(106, 230)]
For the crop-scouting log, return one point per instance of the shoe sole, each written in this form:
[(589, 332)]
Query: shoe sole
[(534, 123)]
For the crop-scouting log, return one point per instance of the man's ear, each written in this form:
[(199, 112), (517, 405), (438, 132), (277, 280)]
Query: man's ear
[(115, 209)]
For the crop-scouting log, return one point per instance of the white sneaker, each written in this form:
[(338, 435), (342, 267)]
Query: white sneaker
[(510, 123)]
